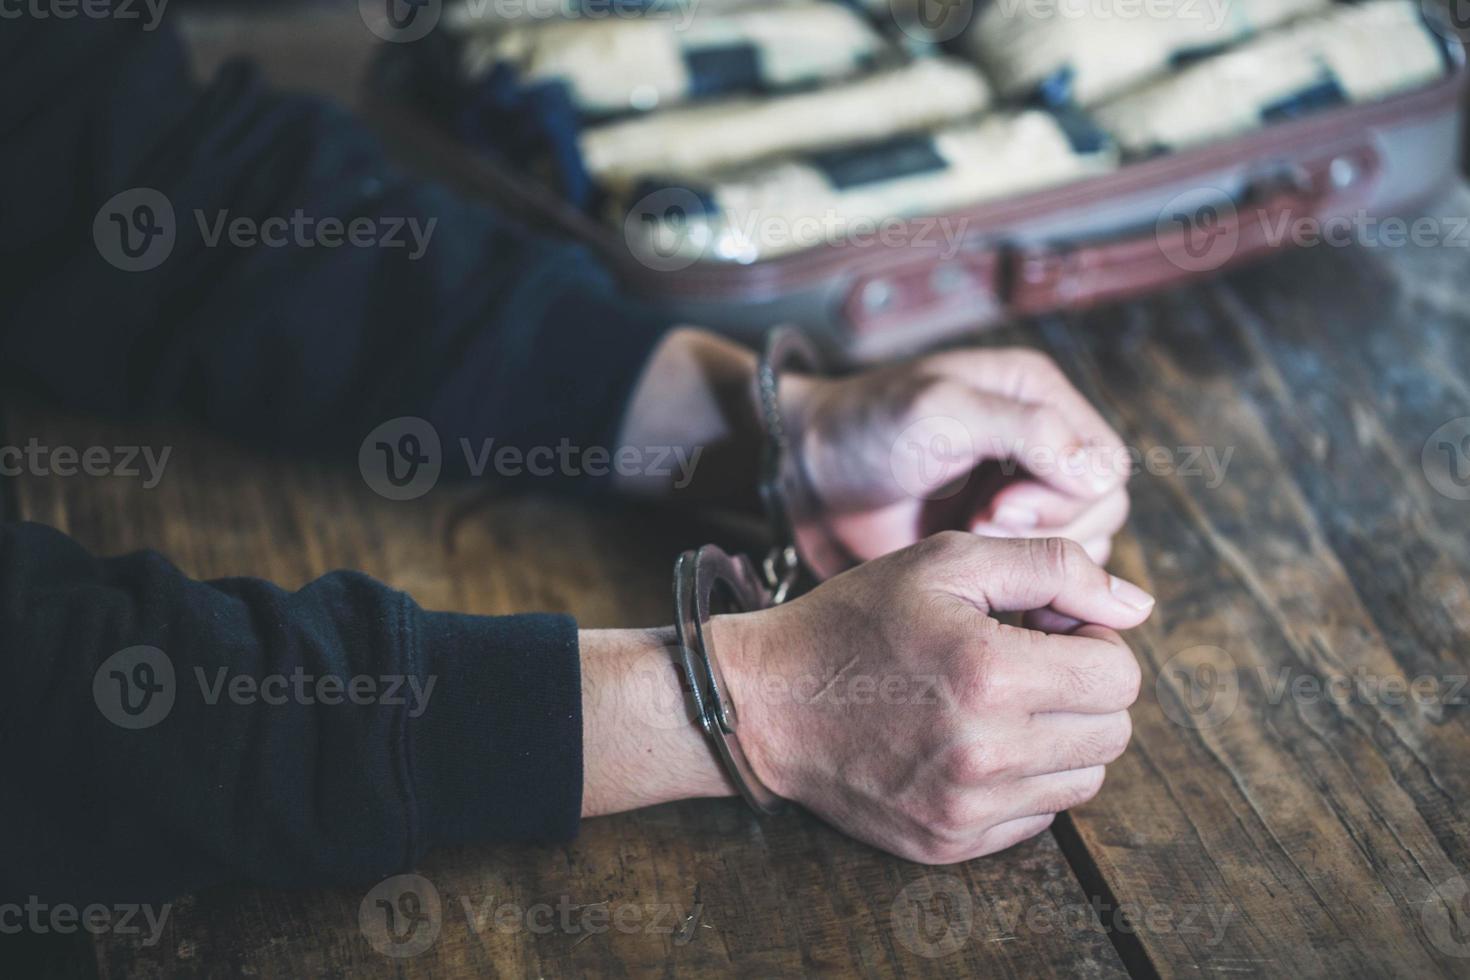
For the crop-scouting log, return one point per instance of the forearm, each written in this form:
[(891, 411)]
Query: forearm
[(331, 734), (697, 397), (640, 745)]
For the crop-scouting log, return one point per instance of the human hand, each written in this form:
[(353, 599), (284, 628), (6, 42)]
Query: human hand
[(993, 441), (891, 702)]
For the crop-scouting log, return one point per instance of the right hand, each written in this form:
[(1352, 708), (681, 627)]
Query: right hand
[(891, 702)]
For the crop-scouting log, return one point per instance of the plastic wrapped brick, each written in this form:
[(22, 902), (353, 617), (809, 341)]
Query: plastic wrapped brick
[(1352, 54), (696, 140), (672, 55), (1084, 51), (817, 198)]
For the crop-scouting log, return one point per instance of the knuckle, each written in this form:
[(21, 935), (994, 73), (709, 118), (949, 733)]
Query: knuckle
[(973, 765), (992, 684), (1125, 677), (949, 816), (1033, 362), (1062, 557), (1108, 741)]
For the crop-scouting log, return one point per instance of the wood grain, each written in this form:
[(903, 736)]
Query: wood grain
[(1326, 824), (703, 888)]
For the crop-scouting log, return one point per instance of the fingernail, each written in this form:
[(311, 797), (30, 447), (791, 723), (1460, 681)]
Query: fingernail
[(1013, 515), (1130, 593)]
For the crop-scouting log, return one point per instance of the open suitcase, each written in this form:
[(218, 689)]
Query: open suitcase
[(1149, 224)]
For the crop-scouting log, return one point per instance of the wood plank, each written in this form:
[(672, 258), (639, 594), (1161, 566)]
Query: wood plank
[(781, 897), (1327, 828)]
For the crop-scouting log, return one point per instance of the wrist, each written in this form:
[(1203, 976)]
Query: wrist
[(744, 647), (640, 745)]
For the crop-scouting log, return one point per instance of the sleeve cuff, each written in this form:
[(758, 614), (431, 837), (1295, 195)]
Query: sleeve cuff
[(497, 754)]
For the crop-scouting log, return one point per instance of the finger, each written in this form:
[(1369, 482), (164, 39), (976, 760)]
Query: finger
[(1032, 509), (1079, 673), (1030, 376), (1018, 575), (1052, 793), (1063, 741), (1099, 549), (1049, 621), (1041, 439), (1012, 832), (966, 426)]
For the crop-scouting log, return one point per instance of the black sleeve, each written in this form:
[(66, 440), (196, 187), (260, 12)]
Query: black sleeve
[(162, 734), (475, 324)]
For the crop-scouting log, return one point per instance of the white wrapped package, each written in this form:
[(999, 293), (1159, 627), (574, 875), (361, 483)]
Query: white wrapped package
[(1089, 50), (776, 208), (697, 140), (468, 16), (640, 63), (1352, 54)]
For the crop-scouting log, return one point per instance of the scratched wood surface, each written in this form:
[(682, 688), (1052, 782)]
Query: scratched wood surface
[(1268, 820), (703, 889), (1289, 525)]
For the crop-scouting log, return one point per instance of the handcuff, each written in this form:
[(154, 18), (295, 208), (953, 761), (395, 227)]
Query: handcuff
[(800, 541)]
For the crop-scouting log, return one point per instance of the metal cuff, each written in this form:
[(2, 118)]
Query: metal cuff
[(799, 534), (697, 576)]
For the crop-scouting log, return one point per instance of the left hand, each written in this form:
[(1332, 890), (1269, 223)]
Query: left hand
[(993, 441)]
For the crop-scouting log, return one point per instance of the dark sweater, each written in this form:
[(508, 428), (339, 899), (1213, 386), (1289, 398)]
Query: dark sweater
[(492, 331)]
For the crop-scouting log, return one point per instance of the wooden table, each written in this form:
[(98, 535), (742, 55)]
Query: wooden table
[(1254, 827)]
